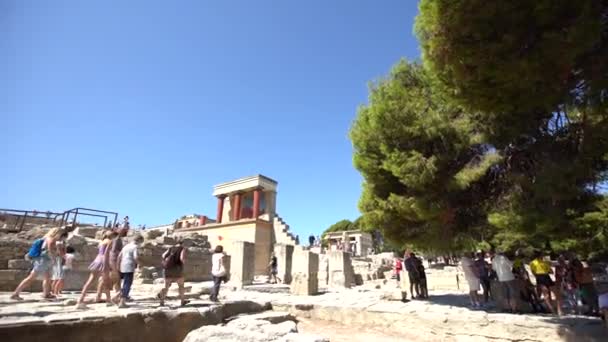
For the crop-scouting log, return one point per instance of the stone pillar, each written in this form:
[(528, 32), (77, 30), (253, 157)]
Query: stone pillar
[(242, 264), (220, 207), (340, 270), (305, 269), (284, 254), (236, 213), (345, 242), (256, 203), (323, 270)]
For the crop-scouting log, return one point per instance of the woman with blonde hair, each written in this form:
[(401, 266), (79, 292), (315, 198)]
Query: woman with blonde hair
[(42, 254), (100, 267)]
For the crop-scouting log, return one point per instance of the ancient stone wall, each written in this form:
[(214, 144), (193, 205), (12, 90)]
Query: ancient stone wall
[(14, 267)]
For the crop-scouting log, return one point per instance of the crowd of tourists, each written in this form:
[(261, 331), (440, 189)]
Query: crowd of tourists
[(113, 267), (535, 282)]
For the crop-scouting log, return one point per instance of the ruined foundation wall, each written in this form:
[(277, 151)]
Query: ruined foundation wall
[(14, 267)]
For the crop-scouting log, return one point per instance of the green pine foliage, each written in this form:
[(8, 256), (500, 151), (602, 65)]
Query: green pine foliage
[(499, 136)]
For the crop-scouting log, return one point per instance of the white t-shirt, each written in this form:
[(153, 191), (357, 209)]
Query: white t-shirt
[(467, 268), (217, 265), (69, 259), (503, 267), (128, 259)]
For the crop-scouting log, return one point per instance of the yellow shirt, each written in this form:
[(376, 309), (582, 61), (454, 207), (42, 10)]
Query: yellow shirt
[(538, 266)]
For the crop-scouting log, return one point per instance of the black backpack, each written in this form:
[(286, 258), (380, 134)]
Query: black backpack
[(172, 259)]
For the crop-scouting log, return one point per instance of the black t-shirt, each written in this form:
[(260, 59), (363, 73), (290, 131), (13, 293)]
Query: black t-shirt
[(410, 265), (273, 261)]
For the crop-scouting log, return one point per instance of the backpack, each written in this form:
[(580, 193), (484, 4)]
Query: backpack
[(36, 249), (173, 258)]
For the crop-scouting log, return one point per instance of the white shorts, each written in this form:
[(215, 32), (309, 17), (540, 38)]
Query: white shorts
[(473, 284)]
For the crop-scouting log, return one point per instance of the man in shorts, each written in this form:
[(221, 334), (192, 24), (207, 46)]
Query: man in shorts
[(542, 270)]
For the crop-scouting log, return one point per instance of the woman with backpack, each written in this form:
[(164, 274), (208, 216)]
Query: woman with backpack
[(42, 253), (100, 267), (173, 263)]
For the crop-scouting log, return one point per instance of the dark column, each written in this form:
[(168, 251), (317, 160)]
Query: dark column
[(220, 207), (256, 203), (237, 207)]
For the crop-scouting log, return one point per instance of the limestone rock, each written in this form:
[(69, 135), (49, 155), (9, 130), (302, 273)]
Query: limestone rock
[(19, 264), (243, 329), (147, 272), (247, 324), (165, 240), (89, 232), (69, 302), (293, 337), (281, 329), (76, 240), (153, 234), (273, 317), (215, 333)]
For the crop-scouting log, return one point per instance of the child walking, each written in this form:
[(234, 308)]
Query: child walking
[(58, 271)]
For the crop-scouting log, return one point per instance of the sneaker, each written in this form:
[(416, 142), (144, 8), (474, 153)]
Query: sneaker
[(81, 306), (16, 297), (185, 302), (122, 305)]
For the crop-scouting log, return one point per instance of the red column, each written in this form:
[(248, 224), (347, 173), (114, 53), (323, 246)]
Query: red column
[(220, 208), (237, 207), (256, 203)]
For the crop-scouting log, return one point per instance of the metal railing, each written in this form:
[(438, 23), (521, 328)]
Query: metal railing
[(15, 219)]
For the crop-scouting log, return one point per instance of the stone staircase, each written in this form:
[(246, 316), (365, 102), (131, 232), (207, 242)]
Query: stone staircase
[(282, 233)]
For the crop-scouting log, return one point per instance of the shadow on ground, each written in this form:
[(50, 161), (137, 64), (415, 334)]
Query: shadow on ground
[(572, 328)]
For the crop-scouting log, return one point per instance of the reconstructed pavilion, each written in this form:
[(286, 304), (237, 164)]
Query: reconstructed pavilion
[(246, 211)]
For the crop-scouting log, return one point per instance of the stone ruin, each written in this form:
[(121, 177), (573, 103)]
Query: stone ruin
[(245, 315), (14, 267)]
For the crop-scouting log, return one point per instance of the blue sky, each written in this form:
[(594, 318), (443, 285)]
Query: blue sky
[(141, 107)]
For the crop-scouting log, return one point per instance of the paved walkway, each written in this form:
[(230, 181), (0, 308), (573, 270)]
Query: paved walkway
[(444, 317)]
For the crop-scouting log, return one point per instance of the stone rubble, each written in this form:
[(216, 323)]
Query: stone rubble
[(263, 327)]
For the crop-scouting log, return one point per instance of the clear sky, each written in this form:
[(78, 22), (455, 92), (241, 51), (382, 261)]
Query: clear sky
[(142, 106)]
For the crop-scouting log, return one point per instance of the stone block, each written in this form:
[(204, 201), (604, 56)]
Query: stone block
[(153, 234), (76, 240), (323, 274), (242, 263), (284, 254), (165, 240), (89, 232), (340, 270), (8, 275), (305, 268), (19, 264)]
